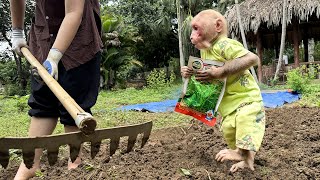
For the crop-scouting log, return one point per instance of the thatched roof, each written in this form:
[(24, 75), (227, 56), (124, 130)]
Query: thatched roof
[(254, 13)]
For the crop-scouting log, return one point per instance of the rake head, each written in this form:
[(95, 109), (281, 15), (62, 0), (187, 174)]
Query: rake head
[(74, 140)]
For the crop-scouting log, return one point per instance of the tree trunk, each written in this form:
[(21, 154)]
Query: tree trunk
[(182, 61), (296, 42), (283, 38), (311, 50), (305, 43), (21, 77), (111, 79), (260, 54), (244, 37)]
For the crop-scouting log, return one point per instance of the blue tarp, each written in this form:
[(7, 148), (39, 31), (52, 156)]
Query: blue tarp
[(163, 106), (270, 100)]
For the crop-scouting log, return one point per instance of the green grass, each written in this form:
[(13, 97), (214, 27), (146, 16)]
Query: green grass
[(107, 115), (276, 87), (15, 122)]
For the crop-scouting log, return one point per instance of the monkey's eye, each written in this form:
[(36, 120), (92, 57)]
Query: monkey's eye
[(195, 28)]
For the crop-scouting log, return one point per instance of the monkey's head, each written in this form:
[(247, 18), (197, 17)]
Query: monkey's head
[(207, 26)]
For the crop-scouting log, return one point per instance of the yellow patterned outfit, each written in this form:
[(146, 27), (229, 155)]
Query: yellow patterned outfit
[(243, 123)]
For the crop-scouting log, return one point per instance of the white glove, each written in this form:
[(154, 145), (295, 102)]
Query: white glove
[(52, 61), (18, 40)]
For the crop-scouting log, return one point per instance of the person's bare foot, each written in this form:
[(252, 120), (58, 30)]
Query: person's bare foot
[(24, 173), (241, 165), (75, 164), (229, 154)]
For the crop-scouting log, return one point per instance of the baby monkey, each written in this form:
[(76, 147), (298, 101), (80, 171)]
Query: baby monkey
[(241, 108)]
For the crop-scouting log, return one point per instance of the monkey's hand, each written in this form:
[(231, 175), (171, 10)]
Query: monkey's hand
[(186, 71), (210, 74)]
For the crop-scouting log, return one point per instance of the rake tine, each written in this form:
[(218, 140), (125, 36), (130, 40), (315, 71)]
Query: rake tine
[(145, 138), (28, 157), (95, 147), (4, 158), (28, 145), (74, 152), (52, 156), (114, 144), (131, 142)]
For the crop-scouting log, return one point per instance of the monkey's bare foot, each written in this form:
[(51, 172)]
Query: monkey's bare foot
[(229, 154), (241, 165)]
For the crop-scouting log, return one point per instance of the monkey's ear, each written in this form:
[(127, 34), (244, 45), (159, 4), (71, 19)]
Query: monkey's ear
[(219, 25)]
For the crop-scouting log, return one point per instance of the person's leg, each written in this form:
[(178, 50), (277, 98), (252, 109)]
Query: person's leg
[(82, 84), (38, 127), (77, 162)]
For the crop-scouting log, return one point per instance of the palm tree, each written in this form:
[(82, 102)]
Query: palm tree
[(119, 42), (283, 38)]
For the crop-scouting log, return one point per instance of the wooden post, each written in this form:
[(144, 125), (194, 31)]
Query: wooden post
[(305, 43), (260, 54), (276, 44), (296, 42)]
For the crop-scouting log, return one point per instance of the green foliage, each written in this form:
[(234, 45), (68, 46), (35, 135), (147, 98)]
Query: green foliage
[(39, 174), (120, 48), (172, 77), (153, 20), (316, 54), (5, 18), (109, 22), (22, 103), (158, 79), (298, 80), (8, 72), (10, 79), (273, 81), (174, 63), (13, 89), (311, 96), (89, 167)]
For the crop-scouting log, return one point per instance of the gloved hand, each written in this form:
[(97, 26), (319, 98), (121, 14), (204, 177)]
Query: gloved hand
[(18, 40), (51, 64)]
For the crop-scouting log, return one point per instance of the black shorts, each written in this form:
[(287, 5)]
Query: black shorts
[(81, 83)]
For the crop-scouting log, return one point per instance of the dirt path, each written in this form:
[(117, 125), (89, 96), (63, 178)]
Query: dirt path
[(290, 150)]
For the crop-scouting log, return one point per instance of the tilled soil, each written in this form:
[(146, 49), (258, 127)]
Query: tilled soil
[(290, 150)]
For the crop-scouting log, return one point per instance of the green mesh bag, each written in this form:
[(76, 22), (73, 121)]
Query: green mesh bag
[(201, 100)]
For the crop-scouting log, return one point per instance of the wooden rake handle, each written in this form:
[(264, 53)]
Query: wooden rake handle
[(85, 122)]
